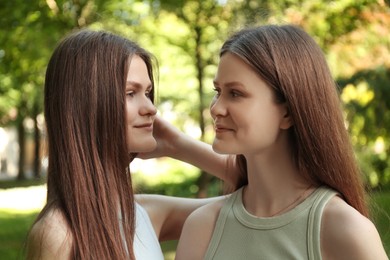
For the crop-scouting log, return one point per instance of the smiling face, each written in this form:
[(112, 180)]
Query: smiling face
[(140, 111), (247, 118)]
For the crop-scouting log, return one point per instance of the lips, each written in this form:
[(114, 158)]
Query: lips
[(144, 125), (222, 128)]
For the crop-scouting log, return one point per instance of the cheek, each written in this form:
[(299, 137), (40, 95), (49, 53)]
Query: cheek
[(264, 126), (250, 121), (244, 116), (130, 113)]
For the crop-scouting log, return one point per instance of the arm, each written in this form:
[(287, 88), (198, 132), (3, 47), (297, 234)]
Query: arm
[(173, 143), (49, 239), (168, 214), (346, 234)]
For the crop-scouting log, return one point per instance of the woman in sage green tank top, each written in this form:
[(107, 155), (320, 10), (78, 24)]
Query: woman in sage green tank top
[(300, 195)]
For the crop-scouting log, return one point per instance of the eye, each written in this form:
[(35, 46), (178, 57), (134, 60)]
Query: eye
[(217, 92), (148, 94), (235, 93), (130, 93)]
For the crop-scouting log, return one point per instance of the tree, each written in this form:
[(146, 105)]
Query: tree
[(337, 34), (206, 24), (28, 35), (366, 96), (186, 35)]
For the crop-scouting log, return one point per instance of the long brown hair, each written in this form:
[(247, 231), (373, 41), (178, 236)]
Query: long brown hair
[(291, 62), (88, 174)]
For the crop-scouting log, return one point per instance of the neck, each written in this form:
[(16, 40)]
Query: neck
[(274, 186)]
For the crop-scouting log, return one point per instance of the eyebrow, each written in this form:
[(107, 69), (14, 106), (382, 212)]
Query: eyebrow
[(138, 85), (230, 84)]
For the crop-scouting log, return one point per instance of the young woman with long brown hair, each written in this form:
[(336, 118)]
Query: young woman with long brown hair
[(277, 108), (99, 113)]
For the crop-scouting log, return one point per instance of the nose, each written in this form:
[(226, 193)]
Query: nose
[(148, 108), (217, 107)]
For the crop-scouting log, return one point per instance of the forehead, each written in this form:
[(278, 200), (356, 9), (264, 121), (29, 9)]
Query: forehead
[(233, 72), (138, 72), (233, 68)]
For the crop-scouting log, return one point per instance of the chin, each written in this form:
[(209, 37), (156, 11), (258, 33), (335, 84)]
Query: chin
[(221, 149), (150, 148), (143, 147)]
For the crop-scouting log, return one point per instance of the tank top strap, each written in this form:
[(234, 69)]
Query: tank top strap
[(314, 222), (219, 226)]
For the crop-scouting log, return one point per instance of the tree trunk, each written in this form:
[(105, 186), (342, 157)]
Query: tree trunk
[(37, 149), (22, 148), (204, 178)]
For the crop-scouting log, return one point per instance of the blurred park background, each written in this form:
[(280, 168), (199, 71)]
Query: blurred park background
[(185, 36)]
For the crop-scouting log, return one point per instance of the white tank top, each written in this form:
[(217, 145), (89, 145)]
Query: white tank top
[(146, 244)]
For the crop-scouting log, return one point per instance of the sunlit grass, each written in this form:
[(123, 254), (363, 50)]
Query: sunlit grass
[(14, 226), (162, 171), (19, 200), (18, 210)]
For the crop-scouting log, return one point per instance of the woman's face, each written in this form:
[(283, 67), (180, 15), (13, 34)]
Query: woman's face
[(247, 119), (140, 111)]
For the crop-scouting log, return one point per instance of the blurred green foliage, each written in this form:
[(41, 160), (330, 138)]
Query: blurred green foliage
[(185, 37), (171, 177), (380, 205), (365, 95)]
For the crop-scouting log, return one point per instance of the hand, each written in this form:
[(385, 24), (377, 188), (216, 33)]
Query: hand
[(166, 135), (171, 142)]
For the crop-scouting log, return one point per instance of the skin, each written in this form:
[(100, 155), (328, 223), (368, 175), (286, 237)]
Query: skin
[(140, 110), (149, 136), (167, 214), (50, 235), (249, 121)]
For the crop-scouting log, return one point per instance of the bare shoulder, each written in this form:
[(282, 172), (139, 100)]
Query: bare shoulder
[(49, 238), (198, 230), (346, 234)]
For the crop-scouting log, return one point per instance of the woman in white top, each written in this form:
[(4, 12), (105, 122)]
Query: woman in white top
[(99, 115)]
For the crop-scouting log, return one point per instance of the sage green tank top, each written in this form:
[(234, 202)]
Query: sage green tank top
[(292, 235)]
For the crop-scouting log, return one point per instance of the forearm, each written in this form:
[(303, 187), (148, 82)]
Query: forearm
[(175, 144), (201, 155)]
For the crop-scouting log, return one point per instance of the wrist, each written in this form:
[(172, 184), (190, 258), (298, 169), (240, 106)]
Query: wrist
[(178, 145)]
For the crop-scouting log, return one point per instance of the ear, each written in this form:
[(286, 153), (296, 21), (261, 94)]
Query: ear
[(286, 121)]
